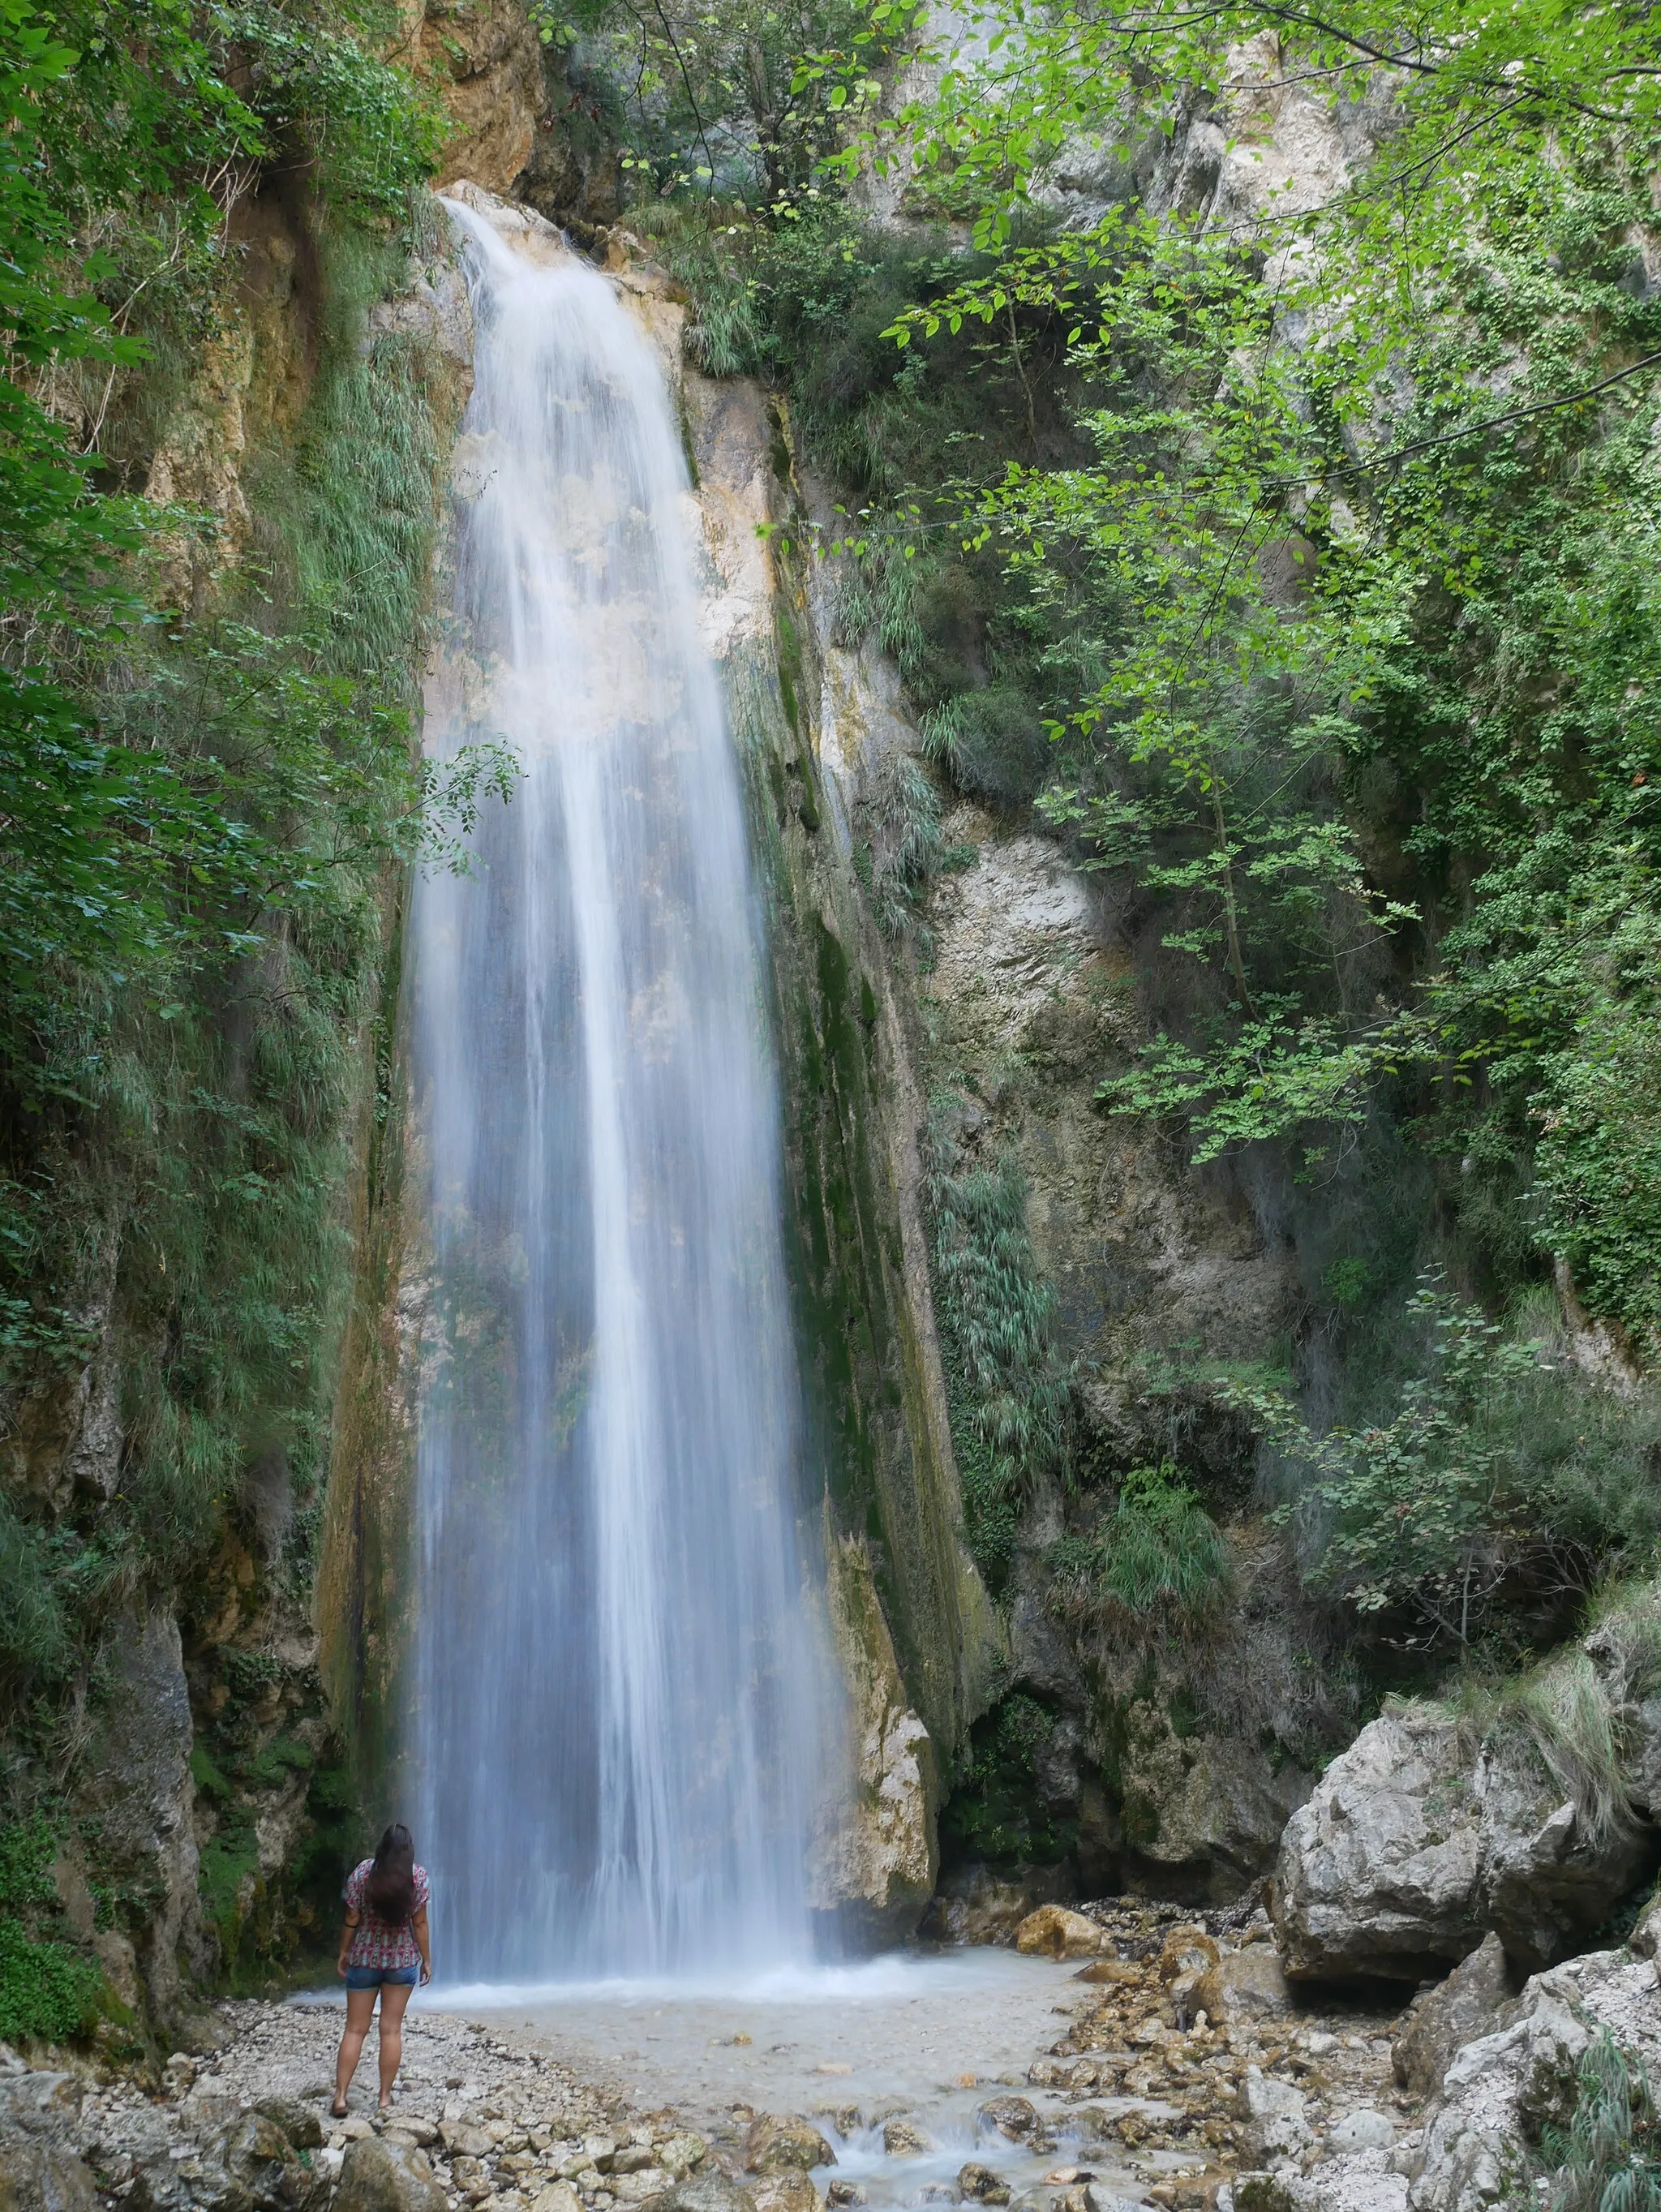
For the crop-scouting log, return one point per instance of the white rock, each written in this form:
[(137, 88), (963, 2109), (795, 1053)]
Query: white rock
[(1363, 2130)]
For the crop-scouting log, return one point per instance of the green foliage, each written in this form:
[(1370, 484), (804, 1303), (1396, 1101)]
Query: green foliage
[(1609, 2159), (205, 809), (48, 1991), (1355, 578), (1158, 1552), (997, 1813), (713, 103), (1492, 1467), (1007, 1388)]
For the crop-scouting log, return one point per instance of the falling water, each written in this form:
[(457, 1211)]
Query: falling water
[(619, 1713)]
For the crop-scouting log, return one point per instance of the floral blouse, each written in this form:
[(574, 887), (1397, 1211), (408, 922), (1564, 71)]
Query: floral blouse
[(376, 1943)]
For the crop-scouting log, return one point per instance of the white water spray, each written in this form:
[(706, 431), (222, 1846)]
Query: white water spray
[(620, 1682)]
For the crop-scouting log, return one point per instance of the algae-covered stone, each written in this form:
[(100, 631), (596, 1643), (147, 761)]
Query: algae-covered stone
[(784, 2146), (904, 2139), (978, 2184), (1015, 2117)]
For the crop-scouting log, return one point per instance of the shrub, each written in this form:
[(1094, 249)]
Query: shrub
[(47, 1991)]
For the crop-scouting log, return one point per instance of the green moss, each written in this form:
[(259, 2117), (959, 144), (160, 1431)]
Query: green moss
[(995, 1815), (206, 1775)]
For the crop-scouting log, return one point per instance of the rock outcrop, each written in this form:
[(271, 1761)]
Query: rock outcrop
[(34, 2178), (1455, 2012), (488, 58), (1415, 1844), (875, 1871), (135, 1803)]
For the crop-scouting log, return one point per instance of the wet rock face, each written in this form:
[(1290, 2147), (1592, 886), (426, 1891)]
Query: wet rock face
[(874, 1868), (1208, 1808), (1408, 1850), (976, 1905)]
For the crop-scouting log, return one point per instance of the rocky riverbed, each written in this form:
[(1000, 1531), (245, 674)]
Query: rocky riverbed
[(1181, 2070)]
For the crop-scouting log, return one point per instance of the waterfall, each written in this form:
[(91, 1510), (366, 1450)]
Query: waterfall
[(619, 1681)]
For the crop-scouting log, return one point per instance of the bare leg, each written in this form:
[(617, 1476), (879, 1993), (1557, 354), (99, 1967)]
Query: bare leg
[(360, 2006), (394, 2004)]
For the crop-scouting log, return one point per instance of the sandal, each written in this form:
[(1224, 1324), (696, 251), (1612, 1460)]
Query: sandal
[(337, 2111)]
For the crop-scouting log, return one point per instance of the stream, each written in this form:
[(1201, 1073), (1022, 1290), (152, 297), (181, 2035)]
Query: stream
[(931, 2038)]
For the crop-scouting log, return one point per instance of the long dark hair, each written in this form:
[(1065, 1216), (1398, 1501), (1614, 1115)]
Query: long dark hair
[(390, 1891)]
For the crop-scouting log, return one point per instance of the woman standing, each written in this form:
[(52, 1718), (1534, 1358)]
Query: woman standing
[(384, 1945)]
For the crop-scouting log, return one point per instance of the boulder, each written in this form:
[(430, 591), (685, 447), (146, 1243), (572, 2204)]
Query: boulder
[(1245, 1985), (785, 2146), (35, 2177), (1411, 1848), (1455, 2012), (377, 2176), (298, 2121), (1548, 1878), (1381, 1868), (1501, 2092), (262, 2170), (1053, 1932)]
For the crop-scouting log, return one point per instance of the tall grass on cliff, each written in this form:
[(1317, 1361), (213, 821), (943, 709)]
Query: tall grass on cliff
[(1609, 2157), (1007, 1386)]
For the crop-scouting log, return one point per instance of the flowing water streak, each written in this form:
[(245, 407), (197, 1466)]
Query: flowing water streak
[(620, 1705)]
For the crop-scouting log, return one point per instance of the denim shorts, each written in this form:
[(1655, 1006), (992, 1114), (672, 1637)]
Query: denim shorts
[(371, 1978)]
